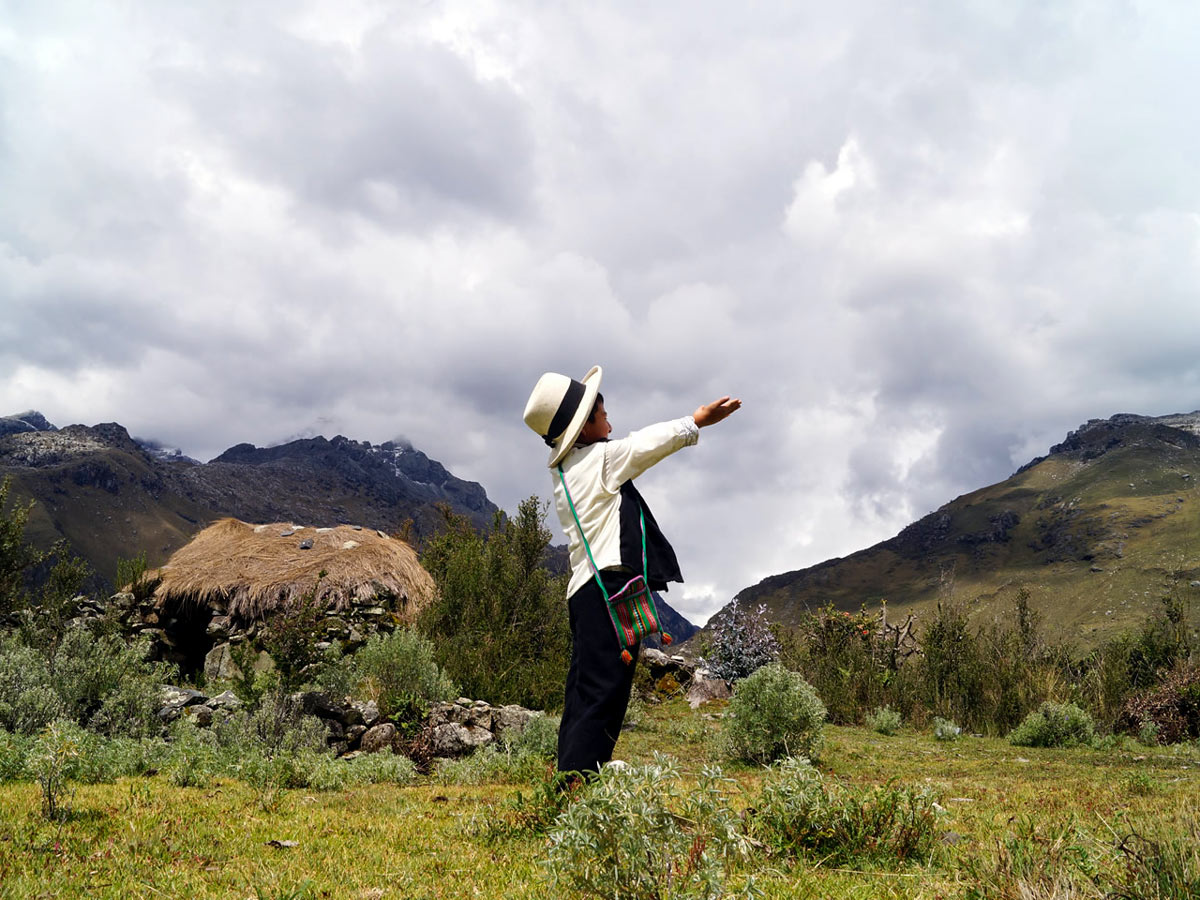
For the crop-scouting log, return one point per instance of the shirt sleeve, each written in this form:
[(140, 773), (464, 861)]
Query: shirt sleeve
[(629, 457)]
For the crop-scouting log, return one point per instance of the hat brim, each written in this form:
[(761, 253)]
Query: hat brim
[(591, 387)]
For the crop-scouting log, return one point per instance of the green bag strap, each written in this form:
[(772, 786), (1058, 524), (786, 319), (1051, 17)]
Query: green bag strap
[(595, 569)]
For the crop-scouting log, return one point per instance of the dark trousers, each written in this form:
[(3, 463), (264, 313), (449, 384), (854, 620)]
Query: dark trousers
[(598, 685)]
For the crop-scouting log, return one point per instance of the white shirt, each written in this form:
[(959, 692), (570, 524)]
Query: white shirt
[(594, 474)]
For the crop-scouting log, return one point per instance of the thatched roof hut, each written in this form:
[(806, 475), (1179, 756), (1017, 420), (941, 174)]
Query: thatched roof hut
[(249, 571)]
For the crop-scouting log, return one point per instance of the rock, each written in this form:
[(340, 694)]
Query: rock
[(175, 700), (378, 738), (306, 544), (218, 627), (660, 664), (705, 688), (201, 715), (453, 739), (510, 720), (368, 710), (354, 733), (448, 713), (322, 705), (480, 717), (219, 666), (225, 700)]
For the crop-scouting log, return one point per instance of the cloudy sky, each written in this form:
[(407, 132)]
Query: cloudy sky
[(921, 241)]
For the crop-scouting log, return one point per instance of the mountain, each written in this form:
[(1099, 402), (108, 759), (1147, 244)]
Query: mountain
[(1097, 531), (112, 496)]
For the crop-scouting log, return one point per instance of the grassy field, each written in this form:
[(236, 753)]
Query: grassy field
[(1012, 816)]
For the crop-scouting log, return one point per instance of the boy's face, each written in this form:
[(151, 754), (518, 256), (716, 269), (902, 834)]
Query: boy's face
[(597, 429)]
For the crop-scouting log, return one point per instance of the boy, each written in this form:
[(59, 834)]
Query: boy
[(570, 417)]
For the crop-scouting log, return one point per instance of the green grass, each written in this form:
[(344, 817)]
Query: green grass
[(145, 838)]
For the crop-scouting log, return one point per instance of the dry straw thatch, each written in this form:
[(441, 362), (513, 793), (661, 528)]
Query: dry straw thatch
[(250, 571)]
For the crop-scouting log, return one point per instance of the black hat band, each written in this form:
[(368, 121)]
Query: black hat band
[(566, 411)]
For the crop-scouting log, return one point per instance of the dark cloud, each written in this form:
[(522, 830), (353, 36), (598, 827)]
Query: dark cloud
[(920, 244)]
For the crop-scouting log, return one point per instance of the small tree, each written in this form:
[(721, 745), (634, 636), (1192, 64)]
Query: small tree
[(741, 642), (500, 622)]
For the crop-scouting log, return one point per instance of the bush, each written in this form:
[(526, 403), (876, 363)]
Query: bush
[(799, 812), (539, 738), (945, 730), (98, 681), (277, 726), (399, 673), (500, 620), (885, 721), (740, 642), (634, 833), (1168, 713), (13, 750), (28, 701), (773, 713), (1054, 725), (51, 761)]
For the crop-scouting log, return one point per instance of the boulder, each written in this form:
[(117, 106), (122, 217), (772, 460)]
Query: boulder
[(509, 721), (453, 739), (378, 738), (705, 688), (369, 711)]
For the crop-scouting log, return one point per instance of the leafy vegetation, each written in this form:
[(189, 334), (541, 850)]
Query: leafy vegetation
[(500, 624), (774, 713)]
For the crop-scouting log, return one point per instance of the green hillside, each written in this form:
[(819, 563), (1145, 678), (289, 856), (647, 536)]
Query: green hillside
[(1097, 532)]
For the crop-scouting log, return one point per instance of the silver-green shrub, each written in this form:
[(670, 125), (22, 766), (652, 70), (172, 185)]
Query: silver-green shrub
[(539, 738), (28, 701), (635, 833), (945, 730), (51, 761), (1054, 725), (773, 713), (800, 812), (399, 673), (884, 720), (13, 750)]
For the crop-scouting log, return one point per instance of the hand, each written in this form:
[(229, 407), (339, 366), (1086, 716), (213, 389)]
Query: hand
[(712, 413)]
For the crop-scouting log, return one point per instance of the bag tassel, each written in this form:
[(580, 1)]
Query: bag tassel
[(626, 657), (666, 639)]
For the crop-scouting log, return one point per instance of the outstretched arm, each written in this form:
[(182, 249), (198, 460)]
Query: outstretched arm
[(712, 413)]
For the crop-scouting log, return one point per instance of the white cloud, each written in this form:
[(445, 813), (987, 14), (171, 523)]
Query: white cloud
[(920, 243)]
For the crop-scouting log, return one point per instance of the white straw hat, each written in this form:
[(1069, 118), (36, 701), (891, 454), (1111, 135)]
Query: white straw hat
[(559, 406)]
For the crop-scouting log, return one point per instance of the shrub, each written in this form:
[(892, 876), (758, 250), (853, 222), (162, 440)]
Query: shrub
[(945, 730), (50, 762), (633, 833), (1168, 713), (799, 812), (289, 638), (1054, 725), (399, 673), (884, 720), (13, 750), (773, 713), (28, 701), (108, 684), (850, 662), (194, 759), (500, 622), (740, 642), (277, 726), (539, 737)]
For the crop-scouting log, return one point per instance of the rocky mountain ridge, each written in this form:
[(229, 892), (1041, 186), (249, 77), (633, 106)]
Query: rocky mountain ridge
[(1096, 531), (113, 496)]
